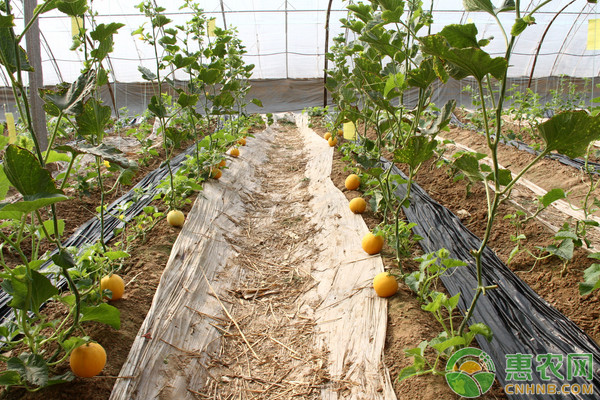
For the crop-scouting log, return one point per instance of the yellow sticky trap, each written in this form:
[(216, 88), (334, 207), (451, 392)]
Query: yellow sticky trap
[(212, 24), (12, 131), (593, 38), (349, 131), (76, 24)]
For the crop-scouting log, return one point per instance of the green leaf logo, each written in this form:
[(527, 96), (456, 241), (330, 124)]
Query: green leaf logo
[(470, 372)]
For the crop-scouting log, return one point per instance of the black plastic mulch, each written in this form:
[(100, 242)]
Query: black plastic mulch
[(89, 232), (522, 322)]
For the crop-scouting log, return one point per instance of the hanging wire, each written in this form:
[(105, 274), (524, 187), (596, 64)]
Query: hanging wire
[(575, 26)]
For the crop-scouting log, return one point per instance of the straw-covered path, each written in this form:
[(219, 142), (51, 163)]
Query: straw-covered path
[(267, 291)]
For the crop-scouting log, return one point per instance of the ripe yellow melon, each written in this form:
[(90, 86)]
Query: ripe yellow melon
[(358, 205), (385, 284), (372, 244), (352, 182)]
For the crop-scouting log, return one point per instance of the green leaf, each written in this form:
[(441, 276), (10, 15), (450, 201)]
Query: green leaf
[(7, 21), (417, 352), (69, 98), (17, 286), (479, 5), (16, 210), (452, 342), (423, 76), (8, 54), (463, 62), (103, 34), (504, 176), (181, 62), (48, 5), (26, 174), (460, 36), (591, 278), (63, 259), (564, 250), (103, 313), (552, 196), (468, 163), (440, 70), (392, 16), (518, 27), (186, 100), (453, 301), (413, 281), (415, 151), (147, 74), (257, 102), (570, 132), (102, 78), (391, 4), (127, 174), (72, 343), (157, 108), (105, 151), (4, 184), (438, 299), (105, 31), (210, 76), (508, 5), (115, 255), (395, 81), (49, 225), (32, 367), (521, 24), (442, 120), (408, 372), (175, 135), (72, 7), (10, 378), (62, 378), (55, 156), (160, 20), (561, 235), (92, 121), (482, 329), (362, 11)]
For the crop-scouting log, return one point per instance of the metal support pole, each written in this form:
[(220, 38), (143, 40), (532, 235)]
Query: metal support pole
[(287, 74), (537, 52), (223, 13), (326, 50), (36, 77)]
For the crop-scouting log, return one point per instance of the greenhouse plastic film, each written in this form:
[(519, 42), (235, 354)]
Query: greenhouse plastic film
[(522, 322)]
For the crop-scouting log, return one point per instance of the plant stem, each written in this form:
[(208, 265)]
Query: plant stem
[(101, 187), (53, 137), (64, 182)]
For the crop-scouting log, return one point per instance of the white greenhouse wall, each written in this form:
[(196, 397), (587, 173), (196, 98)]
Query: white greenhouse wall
[(299, 53)]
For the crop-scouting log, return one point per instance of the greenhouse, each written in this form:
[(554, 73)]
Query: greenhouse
[(318, 199)]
